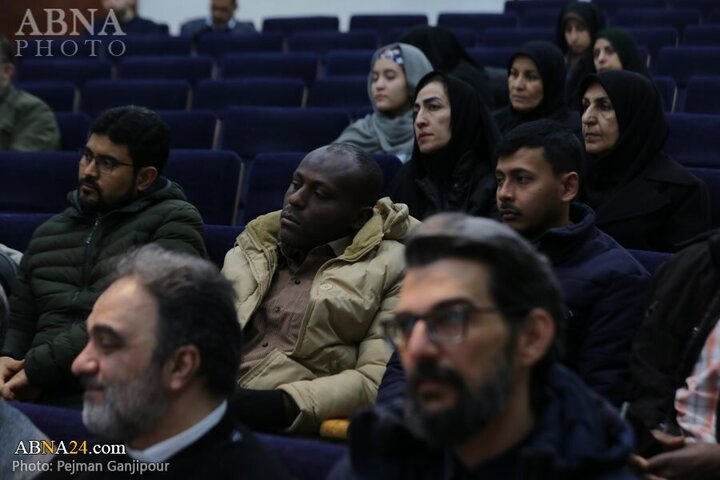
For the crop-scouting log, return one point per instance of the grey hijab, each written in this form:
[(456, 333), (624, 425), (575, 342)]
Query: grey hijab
[(378, 132)]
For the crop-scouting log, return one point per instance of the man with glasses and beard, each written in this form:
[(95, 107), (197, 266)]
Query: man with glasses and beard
[(476, 328), (122, 202), (160, 363)]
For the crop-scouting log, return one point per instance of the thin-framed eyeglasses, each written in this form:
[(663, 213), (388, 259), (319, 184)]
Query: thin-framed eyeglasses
[(447, 325), (104, 163)]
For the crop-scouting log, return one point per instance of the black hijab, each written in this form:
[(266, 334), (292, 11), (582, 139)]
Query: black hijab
[(549, 61), (587, 13), (642, 132), (448, 55), (467, 155), (624, 45)]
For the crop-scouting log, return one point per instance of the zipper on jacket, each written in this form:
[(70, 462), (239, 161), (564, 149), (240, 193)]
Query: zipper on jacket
[(86, 254)]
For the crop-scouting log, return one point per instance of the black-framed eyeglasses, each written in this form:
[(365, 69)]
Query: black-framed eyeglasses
[(446, 325), (104, 163)]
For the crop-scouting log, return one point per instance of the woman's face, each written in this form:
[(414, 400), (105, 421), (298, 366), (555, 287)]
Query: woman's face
[(605, 56), (577, 36), (525, 85), (599, 123), (432, 118), (389, 88)]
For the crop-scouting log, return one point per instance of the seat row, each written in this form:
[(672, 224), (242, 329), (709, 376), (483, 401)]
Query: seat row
[(226, 189), (348, 93)]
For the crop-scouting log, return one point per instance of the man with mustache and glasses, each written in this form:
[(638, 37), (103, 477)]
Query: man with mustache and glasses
[(476, 327), (538, 176), (158, 367), (122, 201), (314, 281)]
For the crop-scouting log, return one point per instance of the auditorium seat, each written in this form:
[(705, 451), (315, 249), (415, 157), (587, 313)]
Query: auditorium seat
[(348, 62), (322, 42), (711, 177), (282, 65), (156, 44), (668, 91), (492, 56), (349, 92), (654, 38), (211, 181), (704, 6), (539, 18), (168, 67), (609, 7), (16, 229), (252, 130), (74, 128), (60, 96), (478, 22), (219, 95), (684, 62), (390, 165), (75, 70), (702, 35), (703, 95), (510, 37), (220, 44), (519, 8), (219, 239), (37, 182), (99, 95), (288, 25), (678, 18), (383, 22), (693, 139), (191, 129), (268, 178)]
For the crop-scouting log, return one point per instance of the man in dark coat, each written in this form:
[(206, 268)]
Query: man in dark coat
[(475, 328), (161, 360), (221, 20), (538, 175), (121, 202), (674, 401)]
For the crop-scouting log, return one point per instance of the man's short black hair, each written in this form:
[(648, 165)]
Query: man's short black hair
[(196, 306), (561, 148), (521, 278), (142, 131), (7, 52), (371, 176)]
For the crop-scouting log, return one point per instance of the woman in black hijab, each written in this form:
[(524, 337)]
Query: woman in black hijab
[(451, 168), (577, 27), (615, 49), (536, 84), (447, 55), (642, 197)]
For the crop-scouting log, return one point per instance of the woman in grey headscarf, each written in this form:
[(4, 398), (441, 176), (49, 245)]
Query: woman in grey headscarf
[(395, 71)]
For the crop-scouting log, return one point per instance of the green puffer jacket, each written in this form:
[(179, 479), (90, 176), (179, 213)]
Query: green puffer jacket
[(26, 122), (64, 270), (340, 355)]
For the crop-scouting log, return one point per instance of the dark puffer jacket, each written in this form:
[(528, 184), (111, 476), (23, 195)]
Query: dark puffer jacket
[(604, 288), (64, 270), (577, 435)]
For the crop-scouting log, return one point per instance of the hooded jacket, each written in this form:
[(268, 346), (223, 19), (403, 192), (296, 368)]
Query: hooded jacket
[(604, 288), (65, 268), (340, 355), (577, 435)]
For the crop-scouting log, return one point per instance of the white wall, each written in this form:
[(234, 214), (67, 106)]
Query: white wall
[(174, 12)]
